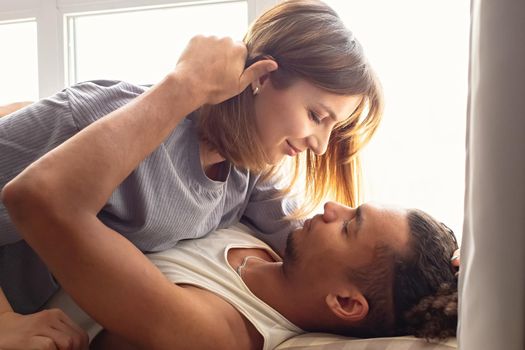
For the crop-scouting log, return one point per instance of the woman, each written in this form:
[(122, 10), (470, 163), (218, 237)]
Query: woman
[(194, 152)]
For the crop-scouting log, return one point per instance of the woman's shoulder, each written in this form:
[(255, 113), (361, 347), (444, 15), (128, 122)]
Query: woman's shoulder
[(91, 100), (109, 84)]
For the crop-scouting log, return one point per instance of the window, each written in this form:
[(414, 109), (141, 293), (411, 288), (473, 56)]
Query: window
[(142, 46), (18, 61), (420, 51)]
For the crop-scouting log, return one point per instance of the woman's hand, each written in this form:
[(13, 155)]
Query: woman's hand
[(214, 68), (45, 330)]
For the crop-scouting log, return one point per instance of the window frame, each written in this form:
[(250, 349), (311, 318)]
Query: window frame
[(51, 17)]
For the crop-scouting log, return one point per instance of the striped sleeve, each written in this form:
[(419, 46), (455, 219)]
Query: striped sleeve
[(92, 100), (266, 213), (31, 132), (25, 136)]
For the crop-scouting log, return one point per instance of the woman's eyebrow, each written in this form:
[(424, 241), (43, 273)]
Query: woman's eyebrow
[(330, 111)]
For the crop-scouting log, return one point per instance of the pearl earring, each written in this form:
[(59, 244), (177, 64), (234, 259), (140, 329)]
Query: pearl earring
[(255, 91)]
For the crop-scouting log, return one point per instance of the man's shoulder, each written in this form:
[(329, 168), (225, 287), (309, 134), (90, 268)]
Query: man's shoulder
[(223, 324)]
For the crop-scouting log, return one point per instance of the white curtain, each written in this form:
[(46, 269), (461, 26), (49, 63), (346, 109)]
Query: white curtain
[(492, 282)]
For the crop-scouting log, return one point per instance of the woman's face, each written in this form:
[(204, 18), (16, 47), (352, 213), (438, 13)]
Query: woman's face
[(297, 118)]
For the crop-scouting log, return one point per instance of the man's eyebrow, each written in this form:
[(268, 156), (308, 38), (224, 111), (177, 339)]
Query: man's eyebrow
[(358, 218)]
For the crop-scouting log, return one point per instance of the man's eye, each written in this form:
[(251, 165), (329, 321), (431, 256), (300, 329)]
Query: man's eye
[(345, 227), (314, 117)]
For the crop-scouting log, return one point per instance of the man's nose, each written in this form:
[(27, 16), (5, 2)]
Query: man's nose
[(330, 212), (334, 211)]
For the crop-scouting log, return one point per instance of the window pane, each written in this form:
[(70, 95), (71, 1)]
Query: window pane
[(18, 62), (420, 52), (143, 46)]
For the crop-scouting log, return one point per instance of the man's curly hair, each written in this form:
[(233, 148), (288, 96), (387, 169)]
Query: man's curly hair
[(436, 316), (415, 292), (425, 282)]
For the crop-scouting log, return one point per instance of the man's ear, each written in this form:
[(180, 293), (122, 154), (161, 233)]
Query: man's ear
[(348, 305)]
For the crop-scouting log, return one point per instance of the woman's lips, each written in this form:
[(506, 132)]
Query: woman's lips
[(292, 151)]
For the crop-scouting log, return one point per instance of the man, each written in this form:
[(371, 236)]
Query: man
[(264, 300), (233, 291), (312, 288)]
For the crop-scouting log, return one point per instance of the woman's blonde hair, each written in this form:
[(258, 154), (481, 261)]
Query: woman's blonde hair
[(309, 41)]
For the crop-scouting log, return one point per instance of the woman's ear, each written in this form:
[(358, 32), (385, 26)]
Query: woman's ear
[(258, 72), (266, 66), (260, 81), (348, 305)]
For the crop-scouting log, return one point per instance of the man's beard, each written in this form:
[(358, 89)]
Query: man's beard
[(290, 253)]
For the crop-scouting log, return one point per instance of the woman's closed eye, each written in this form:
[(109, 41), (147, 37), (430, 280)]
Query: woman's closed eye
[(315, 117)]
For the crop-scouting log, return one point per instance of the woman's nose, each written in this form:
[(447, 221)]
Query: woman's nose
[(318, 142)]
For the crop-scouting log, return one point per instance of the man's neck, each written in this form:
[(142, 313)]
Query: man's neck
[(266, 279)]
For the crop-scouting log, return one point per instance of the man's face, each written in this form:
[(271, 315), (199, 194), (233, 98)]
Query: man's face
[(342, 238)]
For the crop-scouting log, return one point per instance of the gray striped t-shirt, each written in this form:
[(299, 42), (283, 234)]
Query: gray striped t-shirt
[(167, 198)]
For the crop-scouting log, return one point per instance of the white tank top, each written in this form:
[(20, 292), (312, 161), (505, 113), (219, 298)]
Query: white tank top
[(203, 263)]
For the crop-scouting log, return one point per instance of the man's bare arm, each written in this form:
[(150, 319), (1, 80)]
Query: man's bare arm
[(12, 107), (120, 288), (55, 201), (94, 162)]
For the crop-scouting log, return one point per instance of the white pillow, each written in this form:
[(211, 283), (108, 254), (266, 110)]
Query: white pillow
[(323, 341)]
